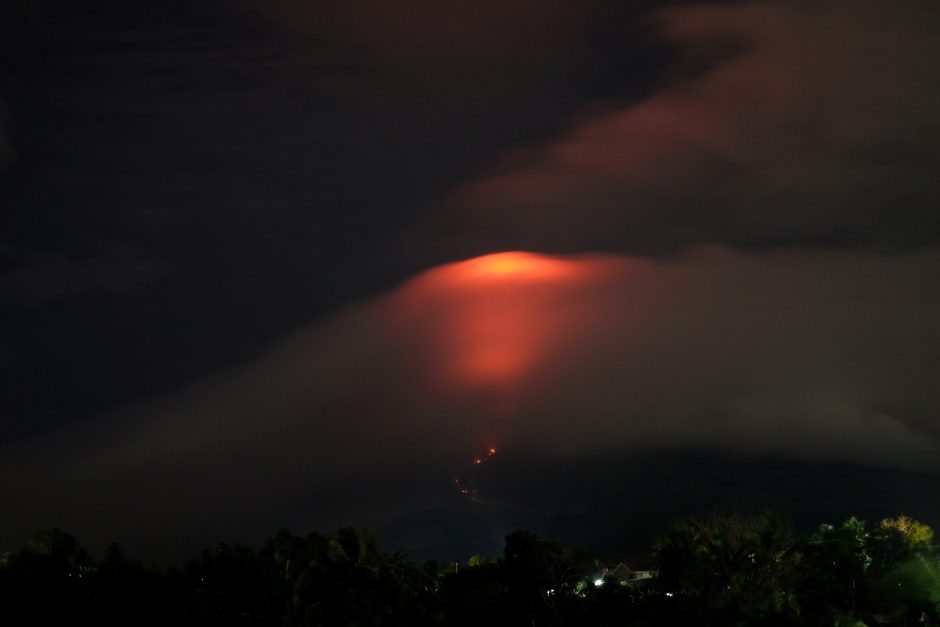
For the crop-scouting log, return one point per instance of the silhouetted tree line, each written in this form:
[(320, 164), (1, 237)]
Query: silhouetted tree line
[(720, 571)]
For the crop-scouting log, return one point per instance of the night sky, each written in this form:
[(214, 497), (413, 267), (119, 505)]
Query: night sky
[(271, 263)]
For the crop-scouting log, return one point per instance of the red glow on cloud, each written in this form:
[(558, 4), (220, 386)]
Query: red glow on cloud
[(487, 335), (504, 312)]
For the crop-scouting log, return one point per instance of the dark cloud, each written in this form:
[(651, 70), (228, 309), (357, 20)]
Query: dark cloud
[(39, 279), (818, 356), (7, 154), (529, 60), (823, 128), (422, 36)]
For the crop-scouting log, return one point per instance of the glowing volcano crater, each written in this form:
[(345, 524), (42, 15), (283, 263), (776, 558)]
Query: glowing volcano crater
[(516, 266)]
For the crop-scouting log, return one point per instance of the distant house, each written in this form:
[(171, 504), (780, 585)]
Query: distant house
[(625, 574)]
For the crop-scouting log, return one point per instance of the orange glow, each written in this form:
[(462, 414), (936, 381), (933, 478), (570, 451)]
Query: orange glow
[(505, 263), (501, 312), (492, 451), (490, 320), (516, 265)]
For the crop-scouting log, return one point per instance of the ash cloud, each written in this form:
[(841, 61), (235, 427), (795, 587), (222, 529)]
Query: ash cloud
[(822, 128), (804, 355)]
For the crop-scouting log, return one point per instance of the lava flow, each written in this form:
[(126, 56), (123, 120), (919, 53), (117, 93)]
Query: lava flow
[(466, 485)]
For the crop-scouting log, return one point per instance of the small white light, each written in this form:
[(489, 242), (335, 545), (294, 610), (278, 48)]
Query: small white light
[(668, 594), (598, 582)]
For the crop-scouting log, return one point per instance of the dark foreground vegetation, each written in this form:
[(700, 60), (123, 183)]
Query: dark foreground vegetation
[(720, 571)]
